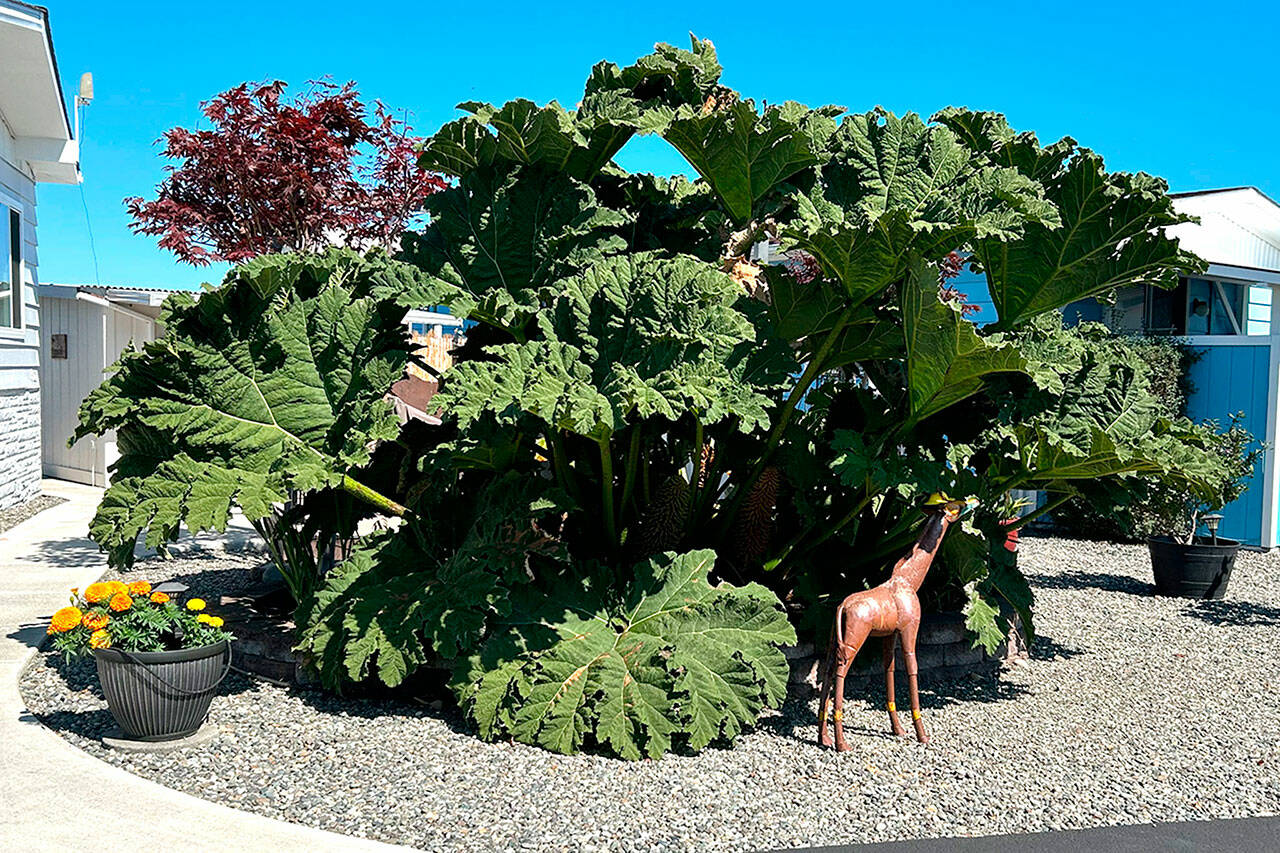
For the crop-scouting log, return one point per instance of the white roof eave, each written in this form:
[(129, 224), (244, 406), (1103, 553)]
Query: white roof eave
[(31, 99)]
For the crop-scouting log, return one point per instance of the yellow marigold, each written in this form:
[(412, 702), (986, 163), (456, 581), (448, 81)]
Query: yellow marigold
[(96, 592), (195, 604), (64, 620), (215, 621), (95, 621), (100, 639), (139, 588), (204, 618), (159, 598), (120, 602)]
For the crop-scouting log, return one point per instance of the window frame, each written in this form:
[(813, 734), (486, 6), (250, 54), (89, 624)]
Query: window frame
[(13, 210)]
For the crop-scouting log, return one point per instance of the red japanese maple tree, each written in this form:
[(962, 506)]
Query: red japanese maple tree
[(273, 175)]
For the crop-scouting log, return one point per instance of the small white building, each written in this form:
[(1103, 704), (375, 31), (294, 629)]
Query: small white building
[(36, 146), (83, 330)]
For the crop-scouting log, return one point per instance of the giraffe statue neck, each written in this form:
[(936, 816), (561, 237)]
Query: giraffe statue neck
[(913, 568)]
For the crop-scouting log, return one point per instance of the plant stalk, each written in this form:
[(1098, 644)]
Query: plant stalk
[(606, 490), (369, 496), (629, 477), (811, 372), (1047, 508)]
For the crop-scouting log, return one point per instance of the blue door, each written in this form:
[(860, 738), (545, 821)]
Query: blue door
[(1229, 379)]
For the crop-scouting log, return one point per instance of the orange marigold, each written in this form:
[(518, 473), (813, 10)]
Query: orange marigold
[(64, 620), (120, 602), (96, 592), (118, 586), (100, 639), (95, 621), (139, 588), (159, 598)]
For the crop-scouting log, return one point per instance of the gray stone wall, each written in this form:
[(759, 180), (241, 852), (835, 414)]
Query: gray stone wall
[(19, 446), (944, 652)]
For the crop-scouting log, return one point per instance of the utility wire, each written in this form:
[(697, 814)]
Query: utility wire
[(93, 249)]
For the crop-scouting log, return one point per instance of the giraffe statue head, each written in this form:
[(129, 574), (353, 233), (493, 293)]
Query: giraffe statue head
[(948, 507)]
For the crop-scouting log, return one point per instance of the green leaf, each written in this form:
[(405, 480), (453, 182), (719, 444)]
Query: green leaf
[(1111, 230), (501, 234), (743, 154), (893, 187), (631, 338), (394, 599), (946, 359), (678, 658), (273, 381), (982, 618), (669, 77)]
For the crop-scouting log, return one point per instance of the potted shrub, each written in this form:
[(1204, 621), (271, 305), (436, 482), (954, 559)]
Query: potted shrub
[(1184, 562), (159, 661)]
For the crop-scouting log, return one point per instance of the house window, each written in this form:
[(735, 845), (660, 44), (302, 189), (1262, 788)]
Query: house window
[(1201, 306), (1258, 310), (11, 270)]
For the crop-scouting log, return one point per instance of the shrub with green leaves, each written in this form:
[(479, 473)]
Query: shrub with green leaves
[(651, 437)]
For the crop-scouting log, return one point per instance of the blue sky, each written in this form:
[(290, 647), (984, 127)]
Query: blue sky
[(1181, 90)]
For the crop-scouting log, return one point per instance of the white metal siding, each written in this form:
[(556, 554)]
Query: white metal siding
[(96, 336), (1237, 227)]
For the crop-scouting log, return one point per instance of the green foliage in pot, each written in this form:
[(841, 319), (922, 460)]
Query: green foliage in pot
[(649, 440)]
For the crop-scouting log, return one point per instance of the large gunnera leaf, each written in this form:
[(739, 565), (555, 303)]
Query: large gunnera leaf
[(502, 233), (404, 593), (273, 381), (743, 154), (1111, 230), (670, 659), (630, 338), (892, 186), (947, 360)]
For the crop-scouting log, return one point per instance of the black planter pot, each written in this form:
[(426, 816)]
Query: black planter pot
[(1198, 570), (158, 696)]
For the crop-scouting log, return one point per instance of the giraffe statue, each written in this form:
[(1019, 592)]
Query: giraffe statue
[(890, 610)]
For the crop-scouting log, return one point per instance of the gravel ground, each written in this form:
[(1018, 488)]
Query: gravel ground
[(1132, 709), (15, 515)]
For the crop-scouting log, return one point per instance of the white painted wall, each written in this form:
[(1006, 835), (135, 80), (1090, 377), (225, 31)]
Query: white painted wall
[(96, 335)]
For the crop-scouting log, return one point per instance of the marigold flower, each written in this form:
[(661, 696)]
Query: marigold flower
[(195, 604), (118, 587), (95, 621), (120, 602), (159, 598), (204, 618), (64, 620), (96, 592), (215, 621), (100, 639), (139, 588)]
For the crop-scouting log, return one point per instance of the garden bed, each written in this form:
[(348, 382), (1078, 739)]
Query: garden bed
[(1132, 708)]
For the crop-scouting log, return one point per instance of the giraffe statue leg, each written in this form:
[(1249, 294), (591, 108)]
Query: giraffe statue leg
[(827, 673), (909, 654), (890, 647), (846, 650)]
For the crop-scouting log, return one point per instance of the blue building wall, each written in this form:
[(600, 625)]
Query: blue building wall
[(1230, 379), (974, 288)]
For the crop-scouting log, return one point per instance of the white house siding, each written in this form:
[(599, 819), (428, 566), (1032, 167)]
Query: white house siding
[(19, 359)]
